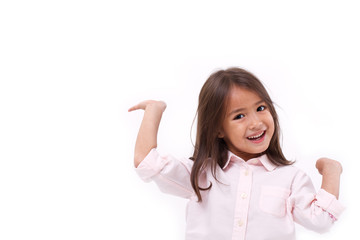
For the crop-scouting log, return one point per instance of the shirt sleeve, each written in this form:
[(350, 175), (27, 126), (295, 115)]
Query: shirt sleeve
[(315, 211), (172, 175)]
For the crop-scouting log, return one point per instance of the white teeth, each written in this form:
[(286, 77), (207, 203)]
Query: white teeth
[(257, 136)]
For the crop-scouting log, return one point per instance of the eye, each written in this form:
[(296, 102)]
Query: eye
[(239, 116), (261, 108)]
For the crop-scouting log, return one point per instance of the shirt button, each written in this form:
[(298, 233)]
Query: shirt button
[(240, 223), (243, 195), (246, 172)]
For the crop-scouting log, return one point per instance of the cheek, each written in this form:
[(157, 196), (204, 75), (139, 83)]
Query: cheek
[(239, 132), (269, 121), (235, 131), (272, 126)]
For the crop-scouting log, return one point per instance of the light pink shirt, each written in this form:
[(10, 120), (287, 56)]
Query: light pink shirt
[(253, 200)]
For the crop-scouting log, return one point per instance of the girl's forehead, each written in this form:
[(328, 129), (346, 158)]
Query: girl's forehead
[(240, 95)]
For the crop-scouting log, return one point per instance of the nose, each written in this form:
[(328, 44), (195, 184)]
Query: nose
[(254, 122)]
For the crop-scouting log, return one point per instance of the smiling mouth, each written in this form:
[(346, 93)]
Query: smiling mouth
[(256, 137)]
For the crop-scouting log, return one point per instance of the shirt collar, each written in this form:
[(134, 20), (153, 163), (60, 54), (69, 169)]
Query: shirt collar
[(262, 160)]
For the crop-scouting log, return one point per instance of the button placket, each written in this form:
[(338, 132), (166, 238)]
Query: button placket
[(242, 202)]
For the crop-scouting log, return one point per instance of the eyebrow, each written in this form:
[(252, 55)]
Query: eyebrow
[(242, 109)]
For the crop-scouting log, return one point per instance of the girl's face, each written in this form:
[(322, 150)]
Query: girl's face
[(248, 125)]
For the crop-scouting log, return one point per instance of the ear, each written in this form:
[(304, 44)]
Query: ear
[(221, 134)]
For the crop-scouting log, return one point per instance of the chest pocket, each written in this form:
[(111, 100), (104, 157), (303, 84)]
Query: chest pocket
[(273, 200)]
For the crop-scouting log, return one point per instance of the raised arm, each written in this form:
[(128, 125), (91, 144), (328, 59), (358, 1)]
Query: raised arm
[(331, 171), (147, 136)]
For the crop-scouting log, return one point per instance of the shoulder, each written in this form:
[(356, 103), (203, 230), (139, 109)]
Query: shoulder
[(298, 178), (288, 168), (291, 171)]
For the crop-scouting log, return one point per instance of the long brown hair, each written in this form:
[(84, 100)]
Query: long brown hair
[(209, 148)]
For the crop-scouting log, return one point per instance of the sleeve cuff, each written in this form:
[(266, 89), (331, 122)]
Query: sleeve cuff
[(152, 164), (329, 203)]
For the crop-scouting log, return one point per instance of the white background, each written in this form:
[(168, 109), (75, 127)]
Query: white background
[(69, 70)]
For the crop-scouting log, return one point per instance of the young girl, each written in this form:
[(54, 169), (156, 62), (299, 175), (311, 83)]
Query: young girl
[(238, 182)]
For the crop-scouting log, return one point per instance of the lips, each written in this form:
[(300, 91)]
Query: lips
[(257, 136)]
